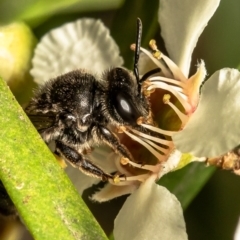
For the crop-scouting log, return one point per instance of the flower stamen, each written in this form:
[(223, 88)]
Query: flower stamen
[(141, 177), (183, 117), (155, 139), (123, 181), (147, 92), (165, 70), (151, 168), (148, 74), (180, 96), (158, 155), (159, 130), (164, 151), (169, 64), (124, 161), (168, 80)]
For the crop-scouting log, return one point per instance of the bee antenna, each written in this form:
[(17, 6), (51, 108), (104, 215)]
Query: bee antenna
[(148, 74), (137, 51)]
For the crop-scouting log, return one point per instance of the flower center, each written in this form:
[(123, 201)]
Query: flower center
[(177, 89)]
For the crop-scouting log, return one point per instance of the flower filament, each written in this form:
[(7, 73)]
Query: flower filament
[(166, 76)]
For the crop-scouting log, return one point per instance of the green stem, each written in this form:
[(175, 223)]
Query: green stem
[(46, 200)]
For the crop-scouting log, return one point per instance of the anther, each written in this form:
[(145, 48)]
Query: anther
[(181, 97), (116, 179), (133, 47), (149, 119), (156, 53), (153, 45), (166, 98), (146, 84), (129, 179), (147, 93), (120, 129), (124, 161), (140, 120)]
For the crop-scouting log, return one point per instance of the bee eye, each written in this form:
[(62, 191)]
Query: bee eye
[(126, 108)]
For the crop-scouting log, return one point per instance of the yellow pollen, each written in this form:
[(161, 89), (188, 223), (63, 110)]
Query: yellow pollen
[(156, 53), (149, 119), (120, 129), (133, 47), (183, 117), (124, 161), (166, 98), (116, 179), (146, 84), (153, 45), (61, 161), (147, 93), (140, 120)]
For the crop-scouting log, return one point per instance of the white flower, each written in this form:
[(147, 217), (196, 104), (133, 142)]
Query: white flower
[(151, 212), (206, 118), (57, 53), (72, 46), (205, 133), (237, 231)]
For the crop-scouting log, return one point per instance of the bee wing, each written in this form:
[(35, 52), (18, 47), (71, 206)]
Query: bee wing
[(42, 121)]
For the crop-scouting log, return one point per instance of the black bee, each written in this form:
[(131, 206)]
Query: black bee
[(77, 110)]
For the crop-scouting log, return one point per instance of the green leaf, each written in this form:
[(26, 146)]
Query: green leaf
[(187, 182), (30, 10), (34, 12), (46, 200)]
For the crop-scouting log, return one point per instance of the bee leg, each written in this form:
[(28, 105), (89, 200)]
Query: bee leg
[(77, 160), (112, 140)]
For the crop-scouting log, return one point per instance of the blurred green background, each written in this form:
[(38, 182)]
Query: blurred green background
[(212, 209)]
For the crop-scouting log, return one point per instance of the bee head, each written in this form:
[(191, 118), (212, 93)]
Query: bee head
[(125, 99), (125, 103)]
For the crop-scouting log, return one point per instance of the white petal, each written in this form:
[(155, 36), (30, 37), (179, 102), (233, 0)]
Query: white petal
[(102, 157), (105, 158), (145, 64), (110, 191), (85, 43), (214, 128), (182, 22), (80, 180), (151, 212), (237, 231), (172, 163)]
